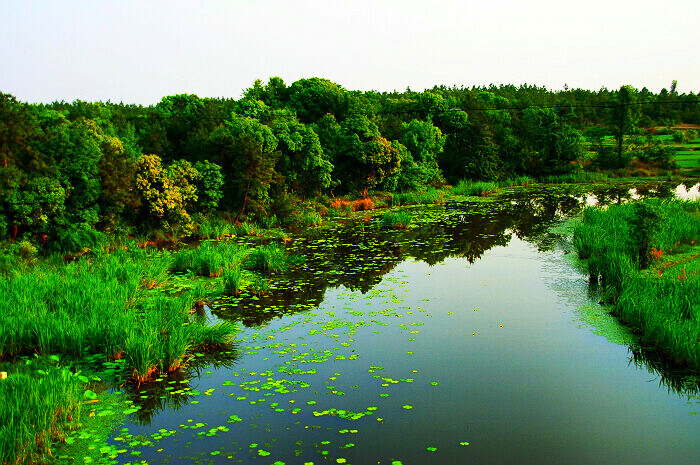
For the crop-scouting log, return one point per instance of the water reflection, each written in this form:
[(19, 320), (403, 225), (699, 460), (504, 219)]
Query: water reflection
[(357, 254)]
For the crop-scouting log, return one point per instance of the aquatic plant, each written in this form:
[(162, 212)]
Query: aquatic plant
[(478, 188), (259, 286), (209, 259), (399, 219), (311, 219), (214, 228), (577, 177), (245, 229), (232, 282), (36, 410), (267, 258), (620, 242), (429, 196)]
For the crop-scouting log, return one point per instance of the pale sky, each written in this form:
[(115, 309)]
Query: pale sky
[(140, 51)]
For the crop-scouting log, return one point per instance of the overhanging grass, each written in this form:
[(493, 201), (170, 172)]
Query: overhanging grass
[(103, 308), (268, 258)]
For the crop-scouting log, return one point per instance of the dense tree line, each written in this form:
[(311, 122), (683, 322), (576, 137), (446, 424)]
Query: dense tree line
[(68, 170)]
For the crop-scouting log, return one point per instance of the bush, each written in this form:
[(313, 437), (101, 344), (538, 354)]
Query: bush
[(679, 137)]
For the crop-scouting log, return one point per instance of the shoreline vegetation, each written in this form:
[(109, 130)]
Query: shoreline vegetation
[(646, 256), (107, 210)]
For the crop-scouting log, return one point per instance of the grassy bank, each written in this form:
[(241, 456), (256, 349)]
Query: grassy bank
[(129, 306), (647, 256)]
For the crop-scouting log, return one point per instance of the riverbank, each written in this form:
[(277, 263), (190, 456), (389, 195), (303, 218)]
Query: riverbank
[(647, 256)]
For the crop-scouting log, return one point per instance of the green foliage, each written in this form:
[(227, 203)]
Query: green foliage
[(304, 165), (548, 146), (429, 196), (365, 158), (209, 259), (116, 168), (479, 188), (166, 192), (400, 219), (311, 219), (36, 411), (267, 258), (679, 137), (232, 281), (315, 97), (662, 304), (209, 183)]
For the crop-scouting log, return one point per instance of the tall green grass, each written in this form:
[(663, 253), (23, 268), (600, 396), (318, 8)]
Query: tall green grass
[(267, 258), (311, 219), (232, 281), (214, 228), (662, 303), (579, 177), (429, 196), (475, 188), (399, 219), (36, 409), (87, 308), (209, 259), (516, 181)]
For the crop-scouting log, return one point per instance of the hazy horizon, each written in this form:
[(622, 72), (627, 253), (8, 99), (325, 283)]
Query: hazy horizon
[(139, 52)]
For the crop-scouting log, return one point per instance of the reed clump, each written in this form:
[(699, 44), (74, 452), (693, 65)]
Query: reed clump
[(36, 411), (475, 188), (209, 259), (267, 258), (397, 220), (426, 197)]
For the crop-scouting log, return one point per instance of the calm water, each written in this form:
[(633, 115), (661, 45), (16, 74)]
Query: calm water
[(472, 327)]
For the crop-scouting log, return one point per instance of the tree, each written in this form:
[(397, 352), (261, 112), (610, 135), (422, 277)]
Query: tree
[(209, 185), (548, 145), (314, 97), (624, 115), (469, 148), (365, 158), (247, 152), (302, 161), (425, 142), (166, 192)]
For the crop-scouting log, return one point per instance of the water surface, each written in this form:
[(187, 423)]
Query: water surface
[(471, 338)]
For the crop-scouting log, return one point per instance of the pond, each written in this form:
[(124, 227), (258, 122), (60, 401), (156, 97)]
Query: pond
[(473, 337)]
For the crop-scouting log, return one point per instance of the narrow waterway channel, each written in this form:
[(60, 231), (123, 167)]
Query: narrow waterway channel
[(471, 338)]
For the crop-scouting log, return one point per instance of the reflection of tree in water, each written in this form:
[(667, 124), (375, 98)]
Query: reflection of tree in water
[(359, 253), (155, 396)]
